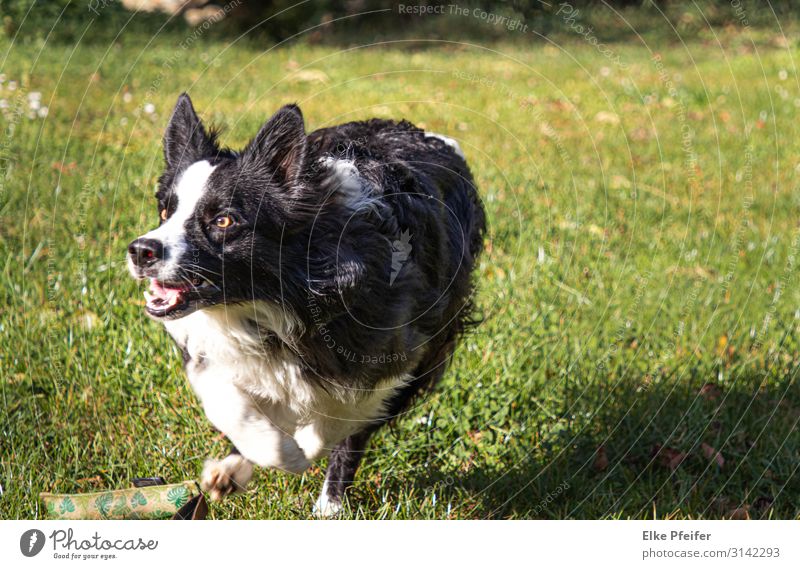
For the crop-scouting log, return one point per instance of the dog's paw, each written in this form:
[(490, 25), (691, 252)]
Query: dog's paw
[(326, 507), (223, 477)]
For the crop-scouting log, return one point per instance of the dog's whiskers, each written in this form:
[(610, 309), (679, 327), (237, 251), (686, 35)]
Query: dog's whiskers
[(197, 274)]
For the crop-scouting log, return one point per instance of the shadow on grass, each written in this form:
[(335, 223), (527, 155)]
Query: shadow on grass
[(658, 459)]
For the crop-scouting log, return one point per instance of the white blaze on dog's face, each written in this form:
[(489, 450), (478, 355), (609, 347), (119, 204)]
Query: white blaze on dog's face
[(191, 186), (221, 215)]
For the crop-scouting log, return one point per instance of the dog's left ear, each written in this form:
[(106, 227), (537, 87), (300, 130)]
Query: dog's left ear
[(280, 145)]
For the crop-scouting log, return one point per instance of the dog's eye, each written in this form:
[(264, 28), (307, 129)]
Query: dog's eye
[(223, 221), (164, 214)]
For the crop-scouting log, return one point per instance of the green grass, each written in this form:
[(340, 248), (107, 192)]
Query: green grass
[(621, 273)]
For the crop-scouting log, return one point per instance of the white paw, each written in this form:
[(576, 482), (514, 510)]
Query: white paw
[(325, 507), (223, 477)]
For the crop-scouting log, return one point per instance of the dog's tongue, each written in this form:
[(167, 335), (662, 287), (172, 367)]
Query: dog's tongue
[(161, 296)]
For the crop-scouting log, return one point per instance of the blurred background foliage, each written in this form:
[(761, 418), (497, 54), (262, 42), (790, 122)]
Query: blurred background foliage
[(329, 21)]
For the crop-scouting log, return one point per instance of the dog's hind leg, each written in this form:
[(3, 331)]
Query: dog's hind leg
[(223, 477), (346, 456), (342, 465)]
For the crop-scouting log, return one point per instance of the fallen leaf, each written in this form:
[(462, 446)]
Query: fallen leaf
[(475, 436), (65, 168), (742, 513), (781, 41), (669, 457), (710, 452), (600, 459), (94, 480)]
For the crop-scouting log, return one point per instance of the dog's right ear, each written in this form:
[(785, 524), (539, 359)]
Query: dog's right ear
[(186, 140)]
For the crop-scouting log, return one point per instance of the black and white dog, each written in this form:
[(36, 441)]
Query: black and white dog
[(315, 283)]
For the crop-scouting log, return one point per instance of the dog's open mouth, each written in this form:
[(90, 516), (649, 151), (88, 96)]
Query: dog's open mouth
[(165, 298)]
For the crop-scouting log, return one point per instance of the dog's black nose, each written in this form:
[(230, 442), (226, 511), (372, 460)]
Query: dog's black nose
[(145, 252)]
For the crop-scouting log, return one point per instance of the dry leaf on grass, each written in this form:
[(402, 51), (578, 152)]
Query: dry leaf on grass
[(669, 457), (742, 513), (93, 480), (600, 459), (475, 436), (68, 168), (710, 452)]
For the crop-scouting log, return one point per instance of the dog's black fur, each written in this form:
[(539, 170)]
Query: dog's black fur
[(300, 242)]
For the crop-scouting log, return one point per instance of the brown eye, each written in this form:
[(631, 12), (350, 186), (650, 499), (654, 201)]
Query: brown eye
[(223, 221), (164, 214)]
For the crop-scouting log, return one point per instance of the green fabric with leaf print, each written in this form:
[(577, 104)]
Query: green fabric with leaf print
[(146, 503)]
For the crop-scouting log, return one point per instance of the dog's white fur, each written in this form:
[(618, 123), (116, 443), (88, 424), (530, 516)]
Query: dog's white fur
[(324, 506), (448, 141), (349, 186)]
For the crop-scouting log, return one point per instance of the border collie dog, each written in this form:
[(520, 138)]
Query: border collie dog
[(315, 283)]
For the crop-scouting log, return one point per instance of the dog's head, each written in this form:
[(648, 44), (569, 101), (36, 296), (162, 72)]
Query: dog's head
[(222, 214)]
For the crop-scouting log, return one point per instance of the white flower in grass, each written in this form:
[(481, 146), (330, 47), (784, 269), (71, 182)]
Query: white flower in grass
[(12, 85), (3, 104), (43, 112), (149, 108), (783, 75), (34, 105), (127, 97), (34, 96)]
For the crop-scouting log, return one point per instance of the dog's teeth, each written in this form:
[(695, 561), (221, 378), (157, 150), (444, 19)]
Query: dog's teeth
[(172, 298), (148, 297)]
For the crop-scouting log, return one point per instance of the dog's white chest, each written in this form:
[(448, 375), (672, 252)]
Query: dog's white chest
[(256, 400), (262, 403)]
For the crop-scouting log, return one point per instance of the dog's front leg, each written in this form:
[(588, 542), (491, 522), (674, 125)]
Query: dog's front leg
[(252, 425), (223, 477)]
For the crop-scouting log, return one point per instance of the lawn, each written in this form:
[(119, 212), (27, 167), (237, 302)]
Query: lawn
[(640, 347)]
